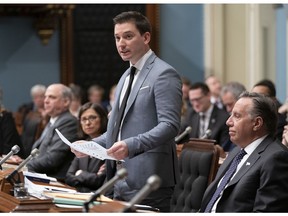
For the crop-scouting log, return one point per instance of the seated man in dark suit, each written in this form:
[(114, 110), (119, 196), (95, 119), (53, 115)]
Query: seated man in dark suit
[(55, 156), (206, 116), (255, 180)]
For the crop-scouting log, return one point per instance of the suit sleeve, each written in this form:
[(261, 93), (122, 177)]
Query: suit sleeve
[(272, 196), (57, 151)]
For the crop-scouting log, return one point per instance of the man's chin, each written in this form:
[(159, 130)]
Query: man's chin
[(125, 58)]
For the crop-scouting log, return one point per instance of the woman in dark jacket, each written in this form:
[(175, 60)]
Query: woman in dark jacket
[(88, 173)]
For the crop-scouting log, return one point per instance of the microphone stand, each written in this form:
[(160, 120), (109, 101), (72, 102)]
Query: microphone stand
[(11, 178), (86, 204), (120, 174)]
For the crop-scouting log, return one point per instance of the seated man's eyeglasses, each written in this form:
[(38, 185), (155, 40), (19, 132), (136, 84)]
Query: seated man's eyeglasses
[(196, 99)]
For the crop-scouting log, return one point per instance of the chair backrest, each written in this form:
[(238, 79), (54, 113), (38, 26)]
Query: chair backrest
[(198, 163)]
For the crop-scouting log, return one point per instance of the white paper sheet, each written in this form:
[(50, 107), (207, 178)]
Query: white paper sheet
[(88, 147)]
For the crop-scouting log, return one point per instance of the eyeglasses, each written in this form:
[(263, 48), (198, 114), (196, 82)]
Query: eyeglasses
[(196, 99), (91, 119)]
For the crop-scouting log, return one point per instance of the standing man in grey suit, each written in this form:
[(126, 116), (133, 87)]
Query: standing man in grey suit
[(258, 182), (55, 156), (151, 119)]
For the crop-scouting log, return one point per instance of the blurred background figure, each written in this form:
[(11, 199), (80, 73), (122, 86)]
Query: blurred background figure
[(88, 173), (185, 91), (285, 136), (230, 93), (96, 95), (8, 132), (206, 115), (284, 109), (77, 97), (186, 105), (215, 86), (267, 88), (111, 98), (37, 104), (35, 118)]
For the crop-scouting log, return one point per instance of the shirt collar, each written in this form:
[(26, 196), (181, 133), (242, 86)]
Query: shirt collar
[(252, 146), (53, 120), (208, 112), (139, 65)]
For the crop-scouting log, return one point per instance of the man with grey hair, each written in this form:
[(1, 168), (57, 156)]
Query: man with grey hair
[(55, 156), (34, 118), (230, 94), (253, 178)]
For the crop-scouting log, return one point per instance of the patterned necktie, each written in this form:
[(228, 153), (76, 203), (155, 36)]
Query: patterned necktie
[(123, 105), (229, 173)]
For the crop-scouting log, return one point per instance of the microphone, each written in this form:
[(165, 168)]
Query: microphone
[(14, 150), (120, 174), (10, 177), (207, 134), (183, 134), (153, 183)]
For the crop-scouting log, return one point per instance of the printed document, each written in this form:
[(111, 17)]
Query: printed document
[(87, 147)]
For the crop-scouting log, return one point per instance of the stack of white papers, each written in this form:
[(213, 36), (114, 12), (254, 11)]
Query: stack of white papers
[(87, 147)]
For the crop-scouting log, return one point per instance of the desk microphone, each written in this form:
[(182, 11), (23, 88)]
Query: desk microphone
[(183, 134), (10, 177), (120, 174), (153, 183), (14, 150), (207, 134)]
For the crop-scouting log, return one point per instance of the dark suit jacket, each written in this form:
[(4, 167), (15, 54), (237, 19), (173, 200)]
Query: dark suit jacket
[(9, 135), (88, 180), (217, 125), (150, 123), (55, 156), (261, 185)]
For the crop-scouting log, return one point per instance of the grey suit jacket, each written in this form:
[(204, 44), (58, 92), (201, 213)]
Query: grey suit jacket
[(55, 156), (261, 184), (150, 123)]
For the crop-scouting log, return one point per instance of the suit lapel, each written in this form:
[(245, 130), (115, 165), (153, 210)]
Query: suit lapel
[(138, 84), (251, 160), (212, 121)]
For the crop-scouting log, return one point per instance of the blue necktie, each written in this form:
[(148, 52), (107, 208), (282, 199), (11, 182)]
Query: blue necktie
[(123, 105), (229, 173)]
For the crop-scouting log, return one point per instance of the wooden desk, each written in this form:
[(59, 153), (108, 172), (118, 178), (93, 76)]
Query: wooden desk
[(12, 204)]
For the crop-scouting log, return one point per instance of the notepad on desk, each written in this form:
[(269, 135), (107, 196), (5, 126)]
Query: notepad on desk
[(76, 196), (74, 199), (38, 177)]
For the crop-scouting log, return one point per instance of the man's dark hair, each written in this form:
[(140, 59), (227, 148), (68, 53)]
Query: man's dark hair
[(202, 86), (269, 84), (141, 22)]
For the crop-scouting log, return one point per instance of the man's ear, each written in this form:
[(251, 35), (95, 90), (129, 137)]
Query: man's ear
[(147, 37), (258, 123)]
